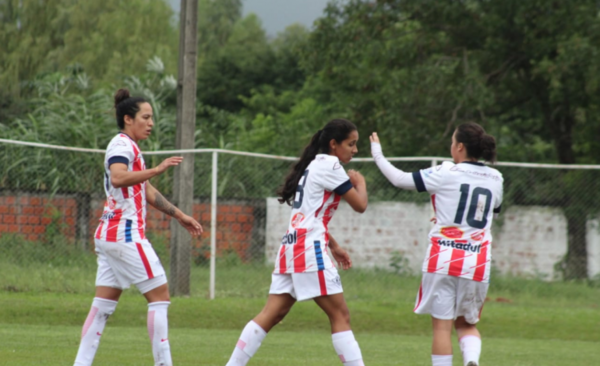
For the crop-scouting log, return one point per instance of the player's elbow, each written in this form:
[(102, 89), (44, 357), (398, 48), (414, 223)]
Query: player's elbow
[(361, 207), (115, 182)]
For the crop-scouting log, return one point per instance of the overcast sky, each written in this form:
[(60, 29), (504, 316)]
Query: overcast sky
[(278, 14)]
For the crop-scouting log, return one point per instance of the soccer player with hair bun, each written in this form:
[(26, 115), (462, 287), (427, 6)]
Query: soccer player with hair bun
[(125, 256), (466, 196), (303, 268)]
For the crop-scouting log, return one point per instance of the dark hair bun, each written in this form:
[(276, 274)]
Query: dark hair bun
[(488, 147), (121, 95)]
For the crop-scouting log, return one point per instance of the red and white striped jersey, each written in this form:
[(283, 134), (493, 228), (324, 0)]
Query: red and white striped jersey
[(124, 216), (465, 197), (304, 245)]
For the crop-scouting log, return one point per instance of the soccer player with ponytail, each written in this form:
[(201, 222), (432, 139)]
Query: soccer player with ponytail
[(303, 268), (466, 195), (125, 256)]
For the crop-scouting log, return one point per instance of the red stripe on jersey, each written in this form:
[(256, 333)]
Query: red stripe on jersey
[(322, 283), (325, 198), (327, 216), (300, 251), (420, 297), (282, 259), (457, 260), (113, 226), (144, 260), (433, 202), (138, 192), (125, 192), (99, 230), (434, 254), (481, 262)]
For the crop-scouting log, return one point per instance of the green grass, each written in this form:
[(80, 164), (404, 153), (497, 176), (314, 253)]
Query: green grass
[(525, 322), (57, 345), (204, 332)]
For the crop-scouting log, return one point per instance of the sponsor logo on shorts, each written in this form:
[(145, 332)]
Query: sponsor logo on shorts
[(337, 280), (460, 244)]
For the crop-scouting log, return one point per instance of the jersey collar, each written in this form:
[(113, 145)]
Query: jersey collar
[(472, 163)]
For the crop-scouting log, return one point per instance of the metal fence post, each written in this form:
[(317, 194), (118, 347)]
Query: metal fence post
[(213, 223)]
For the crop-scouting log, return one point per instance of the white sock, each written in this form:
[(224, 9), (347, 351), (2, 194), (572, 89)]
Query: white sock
[(92, 330), (158, 330), (347, 348), (470, 347), (443, 360), (249, 342)]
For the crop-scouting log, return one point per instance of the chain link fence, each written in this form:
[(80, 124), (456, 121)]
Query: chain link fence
[(52, 197)]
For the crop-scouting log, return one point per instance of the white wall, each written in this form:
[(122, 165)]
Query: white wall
[(528, 241)]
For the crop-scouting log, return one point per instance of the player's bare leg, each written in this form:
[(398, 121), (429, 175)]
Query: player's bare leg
[(103, 305), (158, 324), (469, 340), (276, 308), (342, 337), (441, 348)]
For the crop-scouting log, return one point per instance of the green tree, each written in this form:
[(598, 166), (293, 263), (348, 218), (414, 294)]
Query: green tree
[(240, 65), (112, 38), (108, 39)]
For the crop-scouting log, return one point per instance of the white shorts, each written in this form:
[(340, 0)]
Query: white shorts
[(449, 297), (307, 285), (122, 264)]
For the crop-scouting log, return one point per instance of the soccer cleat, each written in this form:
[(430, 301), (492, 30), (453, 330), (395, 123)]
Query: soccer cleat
[(472, 363)]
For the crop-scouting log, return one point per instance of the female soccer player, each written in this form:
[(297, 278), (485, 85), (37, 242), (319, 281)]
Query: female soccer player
[(303, 269), (465, 196), (125, 256)]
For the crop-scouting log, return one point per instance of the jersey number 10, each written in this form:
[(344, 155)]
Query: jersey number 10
[(473, 206)]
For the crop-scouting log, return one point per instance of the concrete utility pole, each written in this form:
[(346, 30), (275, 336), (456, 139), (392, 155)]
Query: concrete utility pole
[(183, 188)]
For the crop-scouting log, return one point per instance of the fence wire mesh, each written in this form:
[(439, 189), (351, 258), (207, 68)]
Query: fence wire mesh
[(51, 200)]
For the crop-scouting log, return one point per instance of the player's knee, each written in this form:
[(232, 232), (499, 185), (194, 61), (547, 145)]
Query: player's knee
[(281, 314), (340, 316), (461, 323)]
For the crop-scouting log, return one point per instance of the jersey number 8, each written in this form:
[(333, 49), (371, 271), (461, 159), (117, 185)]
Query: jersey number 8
[(473, 206), (300, 190)]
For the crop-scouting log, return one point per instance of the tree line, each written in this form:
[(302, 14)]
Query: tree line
[(528, 71)]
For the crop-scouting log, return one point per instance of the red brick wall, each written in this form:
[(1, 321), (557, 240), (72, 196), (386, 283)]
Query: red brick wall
[(30, 214)]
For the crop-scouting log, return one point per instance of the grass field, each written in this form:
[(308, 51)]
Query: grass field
[(525, 322)]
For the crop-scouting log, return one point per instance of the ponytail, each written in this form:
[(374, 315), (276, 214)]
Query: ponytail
[(478, 143), (488, 148), (336, 129)]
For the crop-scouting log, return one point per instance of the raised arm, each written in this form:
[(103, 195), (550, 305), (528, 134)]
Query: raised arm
[(121, 177), (156, 199), (396, 176)]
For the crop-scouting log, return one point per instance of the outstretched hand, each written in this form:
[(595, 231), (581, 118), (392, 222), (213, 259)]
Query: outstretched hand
[(374, 138), (191, 225), (168, 162)]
